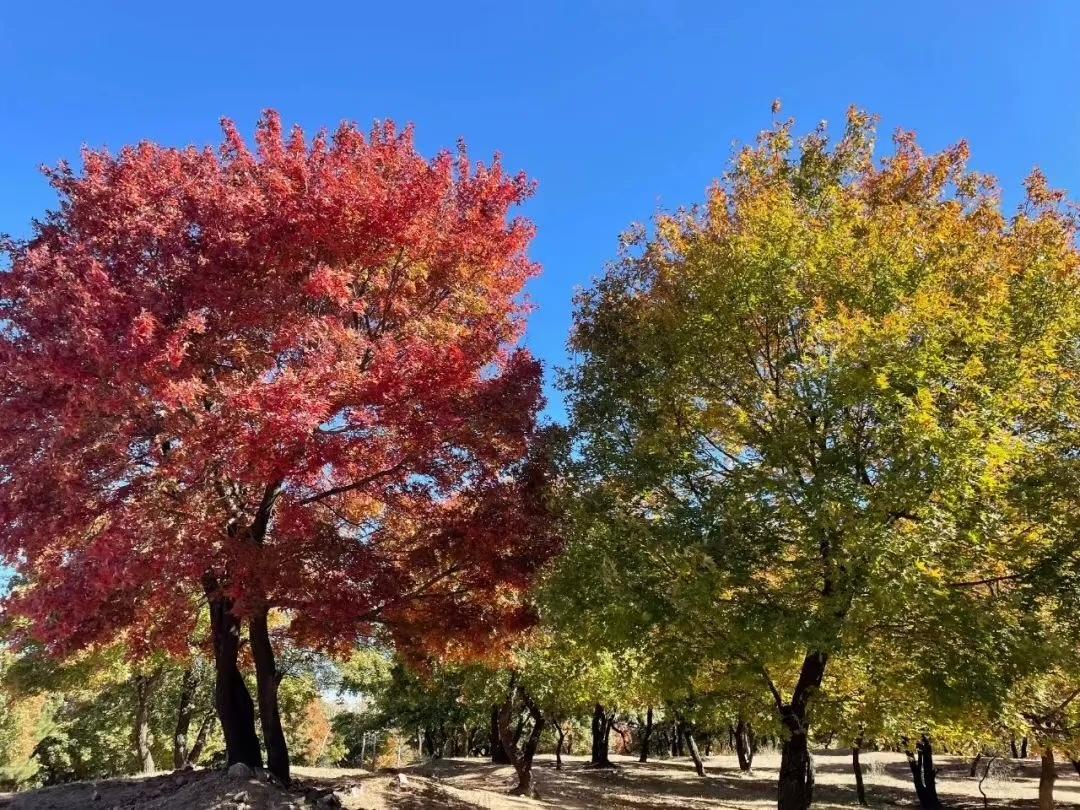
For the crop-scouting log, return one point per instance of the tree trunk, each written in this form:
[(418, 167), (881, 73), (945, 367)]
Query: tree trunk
[(743, 745), (929, 772), (1024, 748), (184, 711), (144, 692), (986, 773), (470, 740), (645, 737), (1047, 775), (267, 679), (860, 788), (691, 745), (522, 762), (231, 697), (625, 738), (498, 753), (1076, 765), (559, 745), (796, 786), (974, 769), (1012, 748), (601, 731), (518, 729), (200, 739), (923, 773)]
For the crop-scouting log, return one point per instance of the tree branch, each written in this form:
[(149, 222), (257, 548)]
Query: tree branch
[(363, 482)]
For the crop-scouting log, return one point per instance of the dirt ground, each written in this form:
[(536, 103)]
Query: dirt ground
[(466, 784)]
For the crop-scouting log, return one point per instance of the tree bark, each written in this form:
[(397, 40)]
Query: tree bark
[(267, 679), (860, 788), (625, 738), (559, 745), (743, 745), (1024, 748), (200, 739), (986, 773), (691, 745), (470, 740), (498, 753), (601, 731), (923, 773), (645, 737), (519, 729), (522, 762), (144, 692), (1047, 776), (929, 772), (974, 769), (235, 709), (796, 785), (184, 711)]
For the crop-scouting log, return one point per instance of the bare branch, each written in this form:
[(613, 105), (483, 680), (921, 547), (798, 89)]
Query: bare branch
[(363, 482)]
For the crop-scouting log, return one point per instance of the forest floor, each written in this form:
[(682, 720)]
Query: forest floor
[(467, 784)]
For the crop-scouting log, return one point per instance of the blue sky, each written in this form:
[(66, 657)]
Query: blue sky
[(616, 108)]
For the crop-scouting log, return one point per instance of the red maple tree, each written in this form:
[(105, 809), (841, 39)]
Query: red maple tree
[(272, 379)]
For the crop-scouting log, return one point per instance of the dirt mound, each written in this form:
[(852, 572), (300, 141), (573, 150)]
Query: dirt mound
[(191, 790)]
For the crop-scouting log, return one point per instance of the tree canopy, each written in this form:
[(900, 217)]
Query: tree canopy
[(823, 394), (283, 379)]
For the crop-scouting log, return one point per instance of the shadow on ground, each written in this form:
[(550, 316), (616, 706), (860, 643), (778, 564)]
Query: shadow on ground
[(667, 783), (470, 784)]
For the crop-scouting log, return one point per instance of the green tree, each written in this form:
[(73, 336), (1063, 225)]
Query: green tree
[(825, 382), (98, 715)]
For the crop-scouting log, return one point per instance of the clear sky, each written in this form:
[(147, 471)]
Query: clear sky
[(615, 108)]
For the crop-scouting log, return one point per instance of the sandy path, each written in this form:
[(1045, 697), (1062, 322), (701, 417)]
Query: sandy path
[(672, 783), (467, 784)]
